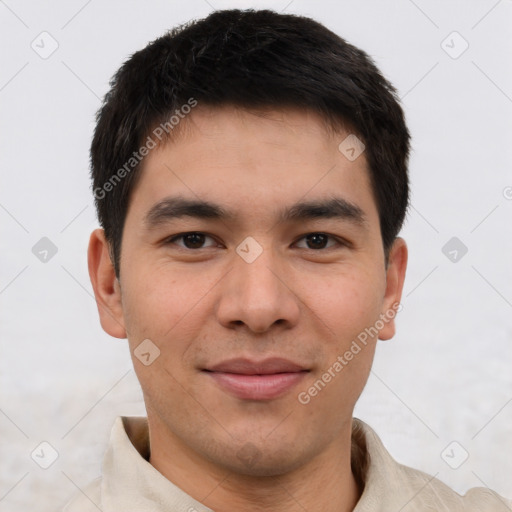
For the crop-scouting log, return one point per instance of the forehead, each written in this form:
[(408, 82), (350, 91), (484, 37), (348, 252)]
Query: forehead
[(232, 131), (247, 160)]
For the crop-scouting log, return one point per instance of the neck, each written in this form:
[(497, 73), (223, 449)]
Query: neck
[(306, 489), (325, 483)]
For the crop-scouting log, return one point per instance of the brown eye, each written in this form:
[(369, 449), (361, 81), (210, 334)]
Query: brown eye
[(193, 240), (318, 241)]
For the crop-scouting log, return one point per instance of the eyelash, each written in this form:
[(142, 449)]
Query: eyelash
[(338, 241)]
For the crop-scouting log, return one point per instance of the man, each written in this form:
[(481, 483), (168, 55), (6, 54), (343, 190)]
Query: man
[(250, 177)]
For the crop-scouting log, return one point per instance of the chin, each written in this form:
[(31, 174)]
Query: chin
[(267, 461)]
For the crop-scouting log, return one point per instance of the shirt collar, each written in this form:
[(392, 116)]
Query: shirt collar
[(130, 483)]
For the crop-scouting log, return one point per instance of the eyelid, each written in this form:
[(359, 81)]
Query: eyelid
[(172, 238), (339, 241)]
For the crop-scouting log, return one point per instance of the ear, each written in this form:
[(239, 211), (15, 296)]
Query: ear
[(395, 276), (107, 290)]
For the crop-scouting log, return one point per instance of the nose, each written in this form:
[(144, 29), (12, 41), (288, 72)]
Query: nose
[(258, 295)]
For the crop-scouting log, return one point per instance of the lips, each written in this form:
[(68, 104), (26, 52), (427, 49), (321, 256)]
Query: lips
[(256, 380), (265, 367)]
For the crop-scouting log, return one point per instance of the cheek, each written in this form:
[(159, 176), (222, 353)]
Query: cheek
[(163, 309), (349, 313), (351, 306), (169, 307), (348, 304), (155, 303)]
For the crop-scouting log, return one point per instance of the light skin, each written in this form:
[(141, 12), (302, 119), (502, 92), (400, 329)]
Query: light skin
[(302, 299)]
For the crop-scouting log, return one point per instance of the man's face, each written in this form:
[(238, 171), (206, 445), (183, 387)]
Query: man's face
[(253, 286)]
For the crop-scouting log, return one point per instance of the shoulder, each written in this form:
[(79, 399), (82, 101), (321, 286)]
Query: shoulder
[(425, 492), (87, 499), (480, 498), (389, 485)]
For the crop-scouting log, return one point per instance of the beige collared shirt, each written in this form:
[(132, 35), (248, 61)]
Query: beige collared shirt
[(131, 484)]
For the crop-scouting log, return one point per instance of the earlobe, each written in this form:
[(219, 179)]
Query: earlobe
[(106, 286), (395, 277)]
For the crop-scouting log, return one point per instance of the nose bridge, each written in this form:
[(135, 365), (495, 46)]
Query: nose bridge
[(258, 277), (255, 293)]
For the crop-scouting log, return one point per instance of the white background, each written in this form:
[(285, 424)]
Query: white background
[(446, 375)]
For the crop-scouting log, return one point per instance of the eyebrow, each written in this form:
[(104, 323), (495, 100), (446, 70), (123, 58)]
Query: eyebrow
[(177, 207)]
